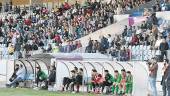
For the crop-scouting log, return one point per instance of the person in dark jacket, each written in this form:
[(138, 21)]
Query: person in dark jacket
[(79, 79), (154, 19), (52, 76), (108, 81), (17, 49), (14, 74), (164, 77), (41, 77), (49, 49), (113, 52), (89, 47), (163, 48), (34, 46), (104, 45), (125, 31), (27, 48), (68, 80), (168, 80)]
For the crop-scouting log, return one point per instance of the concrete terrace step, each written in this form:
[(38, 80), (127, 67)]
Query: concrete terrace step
[(116, 28)]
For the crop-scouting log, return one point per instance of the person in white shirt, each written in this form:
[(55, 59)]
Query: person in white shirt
[(158, 42), (119, 10), (21, 73), (110, 39), (139, 30)]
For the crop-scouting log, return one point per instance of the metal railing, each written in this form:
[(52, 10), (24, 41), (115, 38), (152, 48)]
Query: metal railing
[(134, 54)]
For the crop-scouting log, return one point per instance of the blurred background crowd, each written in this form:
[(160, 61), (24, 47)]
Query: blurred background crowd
[(58, 29)]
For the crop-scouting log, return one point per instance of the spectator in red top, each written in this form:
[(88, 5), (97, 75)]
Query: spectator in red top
[(94, 79), (27, 22), (11, 20), (66, 6), (45, 10), (89, 12), (79, 45), (128, 53), (134, 40), (57, 39), (99, 82), (1, 22)]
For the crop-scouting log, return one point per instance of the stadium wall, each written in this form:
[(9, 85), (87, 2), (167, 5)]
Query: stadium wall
[(6, 69)]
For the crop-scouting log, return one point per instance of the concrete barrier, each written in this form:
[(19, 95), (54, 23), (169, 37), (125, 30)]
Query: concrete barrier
[(6, 69)]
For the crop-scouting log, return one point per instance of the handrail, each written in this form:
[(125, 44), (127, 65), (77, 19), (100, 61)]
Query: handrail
[(36, 66), (91, 65), (130, 64), (110, 65), (24, 66), (67, 68), (31, 65), (143, 56), (100, 65), (120, 65), (44, 64), (36, 63), (85, 69), (72, 64), (2, 75)]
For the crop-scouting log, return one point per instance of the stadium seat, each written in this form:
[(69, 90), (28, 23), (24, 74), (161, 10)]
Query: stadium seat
[(148, 47)]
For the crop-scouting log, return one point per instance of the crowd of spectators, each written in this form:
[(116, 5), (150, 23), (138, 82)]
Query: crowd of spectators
[(153, 32), (55, 30), (35, 29), (59, 26), (113, 45), (161, 5)]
